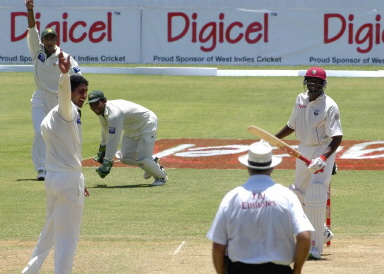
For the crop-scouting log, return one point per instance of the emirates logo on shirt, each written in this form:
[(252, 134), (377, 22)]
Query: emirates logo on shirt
[(302, 106)]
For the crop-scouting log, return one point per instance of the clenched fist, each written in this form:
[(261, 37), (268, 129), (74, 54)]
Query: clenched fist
[(317, 165)]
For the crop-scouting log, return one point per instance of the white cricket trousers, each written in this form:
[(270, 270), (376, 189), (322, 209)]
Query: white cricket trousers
[(42, 103), (303, 177), (135, 149), (65, 203)]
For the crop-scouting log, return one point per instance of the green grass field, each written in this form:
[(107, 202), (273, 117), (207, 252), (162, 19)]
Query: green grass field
[(131, 228)]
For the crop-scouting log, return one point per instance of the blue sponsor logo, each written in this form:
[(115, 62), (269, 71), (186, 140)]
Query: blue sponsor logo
[(112, 130), (76, 69), (41, 57), (78, 120)]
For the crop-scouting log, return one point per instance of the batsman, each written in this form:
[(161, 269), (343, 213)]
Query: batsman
[(315, 119)]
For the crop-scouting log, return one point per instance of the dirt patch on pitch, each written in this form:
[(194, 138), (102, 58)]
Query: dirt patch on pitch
[(346, 255)]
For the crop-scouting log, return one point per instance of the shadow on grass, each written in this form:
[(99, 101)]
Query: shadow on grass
[(26, 180), (125, 186)]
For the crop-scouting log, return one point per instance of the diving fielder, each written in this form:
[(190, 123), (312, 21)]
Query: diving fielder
[(315, 119), (46, 73)]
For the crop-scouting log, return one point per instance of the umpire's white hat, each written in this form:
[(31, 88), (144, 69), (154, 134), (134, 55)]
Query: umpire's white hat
[(260, 156)]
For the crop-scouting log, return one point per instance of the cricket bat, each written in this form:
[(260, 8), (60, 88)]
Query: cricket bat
[(274, 141)]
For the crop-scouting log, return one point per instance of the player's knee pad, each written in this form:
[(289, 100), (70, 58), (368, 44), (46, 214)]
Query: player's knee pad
[(316, 196), (130, 161), (298, 193), (153, 168)]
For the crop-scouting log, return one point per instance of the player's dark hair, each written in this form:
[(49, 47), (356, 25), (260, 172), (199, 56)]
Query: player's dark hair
[(77, 80)]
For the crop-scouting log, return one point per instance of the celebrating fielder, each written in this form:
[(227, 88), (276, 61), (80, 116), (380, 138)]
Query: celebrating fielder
[(64, 183), (315, 119), (137, 125), (46, 71)]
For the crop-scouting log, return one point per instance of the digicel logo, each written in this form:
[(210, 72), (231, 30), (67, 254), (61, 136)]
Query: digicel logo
[(215, 32), (366, 34), (95, 32)]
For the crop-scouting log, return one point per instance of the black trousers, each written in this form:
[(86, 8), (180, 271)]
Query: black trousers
[(266, 268)]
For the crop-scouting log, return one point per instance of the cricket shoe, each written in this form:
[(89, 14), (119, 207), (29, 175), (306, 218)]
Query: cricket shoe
[(147, 175), (160, 181), (314, 254), (41, 175), (328, 235)]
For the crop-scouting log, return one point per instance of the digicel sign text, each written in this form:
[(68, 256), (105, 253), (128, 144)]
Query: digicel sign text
[(216, 32), (368, 33), (96, 32)]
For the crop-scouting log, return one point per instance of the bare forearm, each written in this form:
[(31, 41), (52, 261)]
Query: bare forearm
[(218, 256), (284, 132), (303, 245), (335, 143), (31, 16), (31, 19)]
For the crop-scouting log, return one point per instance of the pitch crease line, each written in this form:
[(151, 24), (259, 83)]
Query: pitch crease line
[(179, 248)]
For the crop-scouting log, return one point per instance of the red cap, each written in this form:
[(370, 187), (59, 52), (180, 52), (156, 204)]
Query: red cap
[(316, 72)]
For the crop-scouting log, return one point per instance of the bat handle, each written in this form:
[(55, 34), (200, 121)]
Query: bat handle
[(306, 160)]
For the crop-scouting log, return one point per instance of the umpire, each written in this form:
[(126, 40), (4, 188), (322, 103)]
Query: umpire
[(260, 226)]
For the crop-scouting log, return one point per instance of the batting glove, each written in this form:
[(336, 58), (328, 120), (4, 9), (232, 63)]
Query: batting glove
[(317, 165), (105, 168), (100, 155)]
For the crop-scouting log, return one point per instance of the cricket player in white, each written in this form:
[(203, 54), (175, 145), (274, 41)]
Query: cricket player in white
[(315, 119), (46, 73), (135, 126), (64, 182), (260, 225)]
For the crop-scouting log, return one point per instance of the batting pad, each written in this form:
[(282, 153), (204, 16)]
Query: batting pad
[(315, 200), (150, 166), (298, 193)]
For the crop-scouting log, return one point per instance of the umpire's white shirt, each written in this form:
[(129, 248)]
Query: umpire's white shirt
[(61, 131), (316, 122), (258, 220), (46, 69)]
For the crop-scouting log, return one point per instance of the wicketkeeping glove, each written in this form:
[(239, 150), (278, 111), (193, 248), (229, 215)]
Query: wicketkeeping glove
[(317, 165), (105, 168), (100, 155)]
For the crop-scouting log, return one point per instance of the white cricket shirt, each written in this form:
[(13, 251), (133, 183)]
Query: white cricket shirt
[(258, 222), (46, 70), (124, 116), (316, 122), (61, 131)]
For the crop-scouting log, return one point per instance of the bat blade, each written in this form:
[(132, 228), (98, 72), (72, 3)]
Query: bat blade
[(273, 140)]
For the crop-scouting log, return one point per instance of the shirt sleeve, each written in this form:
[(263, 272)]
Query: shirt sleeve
[(218, 231), (33, 42), (292, 119), (333, 124), (115, 129), (75, 69), (64, 98)]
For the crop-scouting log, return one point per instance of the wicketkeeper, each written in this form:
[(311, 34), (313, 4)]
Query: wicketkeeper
[(136, 127)]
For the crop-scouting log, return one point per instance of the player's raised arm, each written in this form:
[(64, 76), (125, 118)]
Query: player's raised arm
[(31, 16), (64, 96)]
